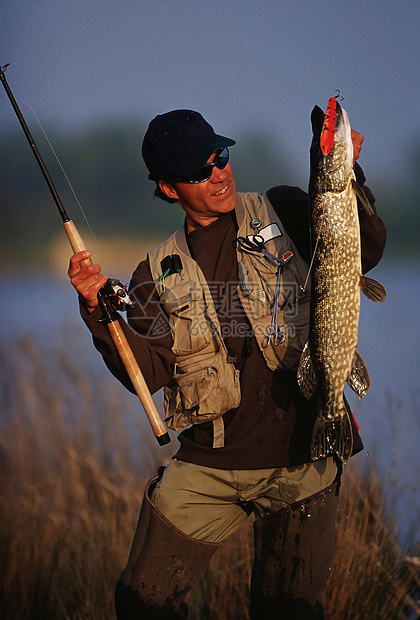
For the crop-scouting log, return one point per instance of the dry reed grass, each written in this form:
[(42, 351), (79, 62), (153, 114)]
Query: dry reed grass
[(71, 482)]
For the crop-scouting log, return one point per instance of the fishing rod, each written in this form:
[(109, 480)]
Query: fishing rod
[(110, 315)]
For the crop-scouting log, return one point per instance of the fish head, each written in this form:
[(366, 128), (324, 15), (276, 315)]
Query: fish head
[(331, 153)]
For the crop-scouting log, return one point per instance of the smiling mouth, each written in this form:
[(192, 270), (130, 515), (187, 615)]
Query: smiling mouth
[(221, 191)]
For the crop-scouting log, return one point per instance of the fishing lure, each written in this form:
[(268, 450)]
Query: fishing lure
[(326, 141)]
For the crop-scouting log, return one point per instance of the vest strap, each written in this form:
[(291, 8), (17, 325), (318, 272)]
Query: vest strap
[(218, 433)]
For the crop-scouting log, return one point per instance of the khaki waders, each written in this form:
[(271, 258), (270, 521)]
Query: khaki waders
[(294, 550), (293, 556), (163, 566)]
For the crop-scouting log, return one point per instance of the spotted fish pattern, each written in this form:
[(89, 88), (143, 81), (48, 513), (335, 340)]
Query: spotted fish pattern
[(330, 357)]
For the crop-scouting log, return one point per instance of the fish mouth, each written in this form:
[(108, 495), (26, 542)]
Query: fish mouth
[(317, 122), (331, 162)]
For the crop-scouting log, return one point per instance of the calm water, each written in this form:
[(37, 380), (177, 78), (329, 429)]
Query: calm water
[(389, 342)]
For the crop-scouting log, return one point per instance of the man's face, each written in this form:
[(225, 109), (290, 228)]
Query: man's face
[(204, 202)]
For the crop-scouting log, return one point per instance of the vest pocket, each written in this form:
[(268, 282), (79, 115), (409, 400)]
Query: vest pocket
[(184, 304), (201, 392)]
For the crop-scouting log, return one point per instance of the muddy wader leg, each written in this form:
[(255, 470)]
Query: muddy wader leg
[(163, 565), (294, 551)]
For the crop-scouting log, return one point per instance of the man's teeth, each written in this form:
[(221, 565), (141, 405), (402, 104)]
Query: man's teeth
[(221, 191)]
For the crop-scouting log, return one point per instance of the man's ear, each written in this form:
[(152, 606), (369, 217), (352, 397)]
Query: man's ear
[(168, 189)]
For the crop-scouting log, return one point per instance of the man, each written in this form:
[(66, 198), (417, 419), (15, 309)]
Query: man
[(200, 330)]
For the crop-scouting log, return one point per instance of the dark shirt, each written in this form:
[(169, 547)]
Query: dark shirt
[(273, 424)]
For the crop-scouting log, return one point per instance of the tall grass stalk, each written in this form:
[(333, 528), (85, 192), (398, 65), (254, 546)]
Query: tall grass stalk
[(74, 457), (70, 486)]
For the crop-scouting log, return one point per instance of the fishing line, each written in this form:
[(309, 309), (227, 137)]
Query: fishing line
[(44, 133), (108, 308), (82, 211), (63, 171), (311, 264), (95, 241)]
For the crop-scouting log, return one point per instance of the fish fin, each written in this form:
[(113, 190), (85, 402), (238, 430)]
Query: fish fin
[(332, 436), (358, 378), (363, 200), (306, 376), (372, 289)]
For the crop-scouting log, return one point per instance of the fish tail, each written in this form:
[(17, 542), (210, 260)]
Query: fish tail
[(344, 438), (321, 438), (332, 436)]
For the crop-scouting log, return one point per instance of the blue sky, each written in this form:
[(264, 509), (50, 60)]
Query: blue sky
[(245, 64)]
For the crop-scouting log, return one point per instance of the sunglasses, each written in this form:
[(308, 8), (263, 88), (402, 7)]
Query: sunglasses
[(205, 173)]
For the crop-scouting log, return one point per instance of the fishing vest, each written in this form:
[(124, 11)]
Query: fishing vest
[(205, 384)]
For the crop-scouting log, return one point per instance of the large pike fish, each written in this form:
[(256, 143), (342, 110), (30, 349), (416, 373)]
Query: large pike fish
[(330, 358)]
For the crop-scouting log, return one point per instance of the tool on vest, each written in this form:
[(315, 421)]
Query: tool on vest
[(243, 279), (111, 317), (276, 333), (170, 264), (257, 241)]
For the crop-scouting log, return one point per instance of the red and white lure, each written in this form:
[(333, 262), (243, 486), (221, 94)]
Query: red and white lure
[(326, 141)]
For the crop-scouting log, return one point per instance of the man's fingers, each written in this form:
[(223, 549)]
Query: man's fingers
[(87, 280), (357, 140), (90, 285), (75, 260)]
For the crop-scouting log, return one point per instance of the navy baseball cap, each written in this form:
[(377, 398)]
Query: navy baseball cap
[(179, 143)]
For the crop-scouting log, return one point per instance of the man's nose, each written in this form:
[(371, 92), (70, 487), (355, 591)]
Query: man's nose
[(219, 174)]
